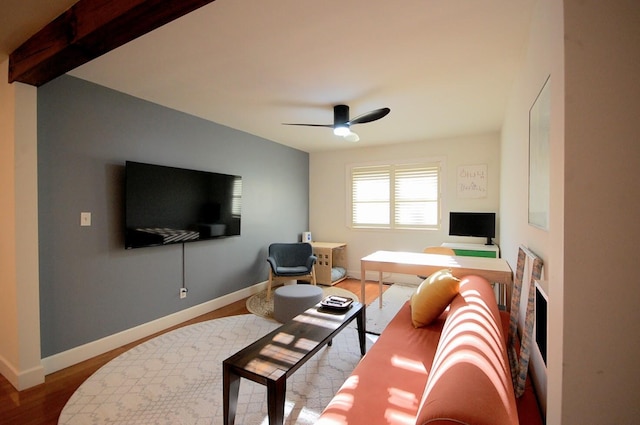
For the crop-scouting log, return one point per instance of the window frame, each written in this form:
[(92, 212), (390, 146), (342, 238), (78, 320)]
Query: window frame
[(393, 168)]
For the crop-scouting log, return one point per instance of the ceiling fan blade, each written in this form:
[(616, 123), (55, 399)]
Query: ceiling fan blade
[(370, 116), (341, 122), (309, 125)]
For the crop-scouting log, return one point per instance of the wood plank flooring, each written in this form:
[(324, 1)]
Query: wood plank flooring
[(42, 405)]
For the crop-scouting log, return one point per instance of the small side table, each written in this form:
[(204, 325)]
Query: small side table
[(330, 255), (291, 300)]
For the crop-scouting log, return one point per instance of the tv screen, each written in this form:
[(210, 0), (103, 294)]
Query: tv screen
[(165, 205), (478, 224)]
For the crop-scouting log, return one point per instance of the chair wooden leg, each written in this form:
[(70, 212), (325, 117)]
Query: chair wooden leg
[(274, 278)]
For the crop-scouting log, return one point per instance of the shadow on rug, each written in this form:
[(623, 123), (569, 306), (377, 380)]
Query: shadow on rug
[(258, 304), (392, 300)]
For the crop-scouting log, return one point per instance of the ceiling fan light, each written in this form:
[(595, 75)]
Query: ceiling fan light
[(341, 130), (352, 137)]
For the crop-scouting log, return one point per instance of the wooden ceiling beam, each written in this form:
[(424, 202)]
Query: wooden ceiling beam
[(89, 29)]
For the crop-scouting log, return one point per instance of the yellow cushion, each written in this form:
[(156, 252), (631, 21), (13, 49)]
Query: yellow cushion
[(433, 296)]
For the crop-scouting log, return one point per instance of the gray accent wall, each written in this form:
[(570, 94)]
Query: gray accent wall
[(90, 286)]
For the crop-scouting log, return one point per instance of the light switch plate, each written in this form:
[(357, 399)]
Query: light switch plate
[(85, 219)]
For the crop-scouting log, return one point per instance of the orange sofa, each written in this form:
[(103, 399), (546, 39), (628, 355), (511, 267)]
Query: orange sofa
[(453, 371)]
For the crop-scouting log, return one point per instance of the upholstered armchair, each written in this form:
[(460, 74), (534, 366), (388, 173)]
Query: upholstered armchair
[(288, 261)]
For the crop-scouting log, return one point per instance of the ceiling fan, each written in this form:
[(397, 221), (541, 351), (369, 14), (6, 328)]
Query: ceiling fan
[(342, 124)]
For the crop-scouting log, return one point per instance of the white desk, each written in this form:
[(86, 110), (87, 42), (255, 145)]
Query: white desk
[(418, 263)]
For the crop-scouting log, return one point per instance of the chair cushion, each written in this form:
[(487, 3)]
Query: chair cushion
[(387, 386), (432, 297), (291, 271)]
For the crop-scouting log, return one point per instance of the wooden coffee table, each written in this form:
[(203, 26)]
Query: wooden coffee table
[(274, 357)]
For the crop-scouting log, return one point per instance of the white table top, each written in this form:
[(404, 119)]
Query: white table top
[(438, 260)]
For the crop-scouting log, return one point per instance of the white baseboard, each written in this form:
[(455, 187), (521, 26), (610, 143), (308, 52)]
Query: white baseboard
[(24, 379), (84, 352)]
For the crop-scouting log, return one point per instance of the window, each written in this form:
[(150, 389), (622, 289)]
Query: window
[(236, 200), (395, 196)]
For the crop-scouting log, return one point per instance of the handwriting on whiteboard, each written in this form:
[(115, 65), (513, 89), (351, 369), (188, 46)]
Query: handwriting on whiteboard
[(472, 181)]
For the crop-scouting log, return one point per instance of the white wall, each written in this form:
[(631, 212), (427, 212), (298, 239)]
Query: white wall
[(590, 50), (19, 303), (542, 59), (8, 307), (329, 184), (601, 377)]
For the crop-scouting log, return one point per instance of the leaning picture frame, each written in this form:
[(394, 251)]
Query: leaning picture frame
[(539, 171)]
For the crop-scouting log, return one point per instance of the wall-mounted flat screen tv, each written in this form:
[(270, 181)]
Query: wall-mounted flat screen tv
[(478, 224), (166, 205)]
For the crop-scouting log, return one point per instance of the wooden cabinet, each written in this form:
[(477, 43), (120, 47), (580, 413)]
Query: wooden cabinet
[(332, 260)]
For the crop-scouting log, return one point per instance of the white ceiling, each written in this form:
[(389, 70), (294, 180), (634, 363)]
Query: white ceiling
[(444, 67)]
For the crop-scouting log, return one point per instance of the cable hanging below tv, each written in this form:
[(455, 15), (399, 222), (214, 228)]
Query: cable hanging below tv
[(168, 205), (477, 224)]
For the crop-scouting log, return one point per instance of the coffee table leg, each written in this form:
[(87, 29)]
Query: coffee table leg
[(230, 388), (276, 394), (361, 322)]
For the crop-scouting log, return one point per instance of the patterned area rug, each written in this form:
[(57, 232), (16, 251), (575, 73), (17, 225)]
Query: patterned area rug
[(176, 378), (258, 304), (392, 300)]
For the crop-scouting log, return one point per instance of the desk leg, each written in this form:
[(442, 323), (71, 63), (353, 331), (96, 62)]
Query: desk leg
[(230, 388), (380, 288), (362, 282), (509, 289), (362, 286), (276, 394), (361, 322)]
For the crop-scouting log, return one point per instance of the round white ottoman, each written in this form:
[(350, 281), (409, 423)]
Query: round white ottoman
[(291, 300)]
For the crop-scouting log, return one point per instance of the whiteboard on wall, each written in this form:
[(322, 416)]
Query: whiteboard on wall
[(472, 181)]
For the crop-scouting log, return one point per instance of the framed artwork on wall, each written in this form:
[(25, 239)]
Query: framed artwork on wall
[(539, 117), (472, 181)]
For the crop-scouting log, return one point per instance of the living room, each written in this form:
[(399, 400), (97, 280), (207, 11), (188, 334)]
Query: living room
[(85, 279)]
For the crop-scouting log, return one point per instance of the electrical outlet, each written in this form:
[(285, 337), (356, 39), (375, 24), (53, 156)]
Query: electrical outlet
[(183, 293)]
